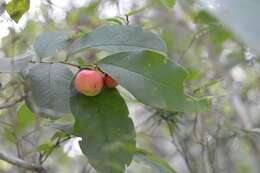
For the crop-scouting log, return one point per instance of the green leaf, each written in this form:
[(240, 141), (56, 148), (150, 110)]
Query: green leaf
[(153, 79), (46, 147), (59, 135), (217, 32), (154, 161), (49, 86), (48, 43), (108, 136), (8, 135), (17, 8), (25, 118), (115, 20), (137, 11), (243, 25), (168, 3), (17, 64), (119, 38)]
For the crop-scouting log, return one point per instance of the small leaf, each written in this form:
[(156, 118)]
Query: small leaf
[(49, 86), (108, 137), (44, 147), (17, 8), (17, 64), (168, 3), (81, 62), (153, 79), (59, 135), (136, 11), (24, 118), (48, 43), (119, 38), (8, 135), (115, 20), (154, 161)]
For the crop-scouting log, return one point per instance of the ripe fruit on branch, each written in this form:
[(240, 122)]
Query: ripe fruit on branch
[(89, 82), (109, 82)]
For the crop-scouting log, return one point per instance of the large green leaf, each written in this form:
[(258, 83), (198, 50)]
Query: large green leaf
[(243, 24), (108, 136), (50, 88), (17, 64), (119, 38), (17, 8), (48, 43), (153, 79), (154, 161)]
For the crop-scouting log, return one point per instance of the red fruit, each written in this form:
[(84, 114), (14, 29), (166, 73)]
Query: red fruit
[(89, 82), (109, 82)]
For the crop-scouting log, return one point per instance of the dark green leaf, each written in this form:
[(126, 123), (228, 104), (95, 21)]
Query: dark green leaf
[(48, 43), (108, 137), (49, 85), (17, 8), (154, 161), (153, 79), (119, 38)]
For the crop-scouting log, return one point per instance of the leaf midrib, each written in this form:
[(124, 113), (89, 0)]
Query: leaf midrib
[(148, 79), (129, 45)]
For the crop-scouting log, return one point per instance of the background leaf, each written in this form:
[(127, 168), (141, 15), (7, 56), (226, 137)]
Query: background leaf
[(168, 3), (243, 24), (48, 43), (25, 118), (217, 32), (154, 161), (119, 38), (17, 64), (153, 79), (108, 137), (17, 8), (49, 85)]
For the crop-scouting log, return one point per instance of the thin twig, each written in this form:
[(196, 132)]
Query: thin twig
[(7, 124), (193, 39), (61, 62), (8, 105), (179, 147), (127, 19), (46, 155), (23, 164)]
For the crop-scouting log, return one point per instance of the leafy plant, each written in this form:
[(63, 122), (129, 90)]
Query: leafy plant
[(135, 59)]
